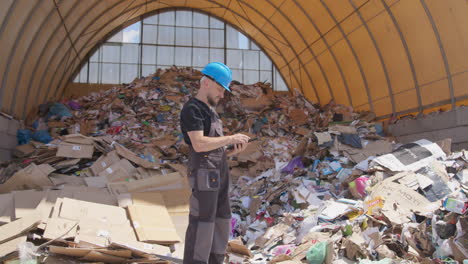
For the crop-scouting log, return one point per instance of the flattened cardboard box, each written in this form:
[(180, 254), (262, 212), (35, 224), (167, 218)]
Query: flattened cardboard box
[(23, 150), (18, 227), (128, 154), (81, 252), (77, 151), (144, 184), (78, 210), (11, 246), (31, 177), (119, 171), (153, 224), (104, 162), (78, 139), (100, 233), (176, 201)]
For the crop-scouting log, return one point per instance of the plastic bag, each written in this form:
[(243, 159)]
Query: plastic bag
[(317, 253), (42, 136), (292, 165), (23, 136), (59, 110)]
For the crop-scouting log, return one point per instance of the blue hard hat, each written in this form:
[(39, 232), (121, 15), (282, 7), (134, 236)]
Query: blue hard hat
[(219, 73)]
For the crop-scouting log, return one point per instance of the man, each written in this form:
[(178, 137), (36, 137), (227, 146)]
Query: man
[(210, 213)]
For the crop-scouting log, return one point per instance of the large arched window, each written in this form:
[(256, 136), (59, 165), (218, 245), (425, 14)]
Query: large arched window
[(181, 38)]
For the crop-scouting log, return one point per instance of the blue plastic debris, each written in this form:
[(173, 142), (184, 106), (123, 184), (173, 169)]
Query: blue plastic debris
[(23, 136), (42, 136)]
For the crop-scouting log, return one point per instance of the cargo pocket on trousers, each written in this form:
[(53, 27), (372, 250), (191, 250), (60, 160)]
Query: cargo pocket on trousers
[(208, 179)]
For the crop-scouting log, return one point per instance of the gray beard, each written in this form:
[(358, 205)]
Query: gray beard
[(211, 101)]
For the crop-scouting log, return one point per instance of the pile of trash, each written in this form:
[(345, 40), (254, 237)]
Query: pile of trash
[(98, 178)]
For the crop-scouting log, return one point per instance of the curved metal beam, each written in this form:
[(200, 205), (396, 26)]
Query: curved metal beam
[(2, 28), (408, 54), (322, 36), (40, 58), (26, 58), (194, 9), (13, 53), (379, 53), (223, 6), (442, 52), (358, 62), (55, 54), (287, 41), (313, 54)]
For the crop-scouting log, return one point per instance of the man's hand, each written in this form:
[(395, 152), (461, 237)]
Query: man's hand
[(239, 139), (238, 148)]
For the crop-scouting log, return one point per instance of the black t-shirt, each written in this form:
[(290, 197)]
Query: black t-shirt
[(195, 116)]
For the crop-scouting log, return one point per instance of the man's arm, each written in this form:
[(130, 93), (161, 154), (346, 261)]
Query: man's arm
[(201, 143)]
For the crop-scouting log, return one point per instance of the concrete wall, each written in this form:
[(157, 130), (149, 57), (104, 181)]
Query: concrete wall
[(8, 141), (452, 124)]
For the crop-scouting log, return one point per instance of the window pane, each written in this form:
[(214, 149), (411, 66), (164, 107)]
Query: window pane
[(265, 76), (77, 78), (118, 37), (150, 33), (217, 55), (110, 53), (183, 56), (165, 55), (243, 41), (184, 18), (200, 20), (234, 59), (95, 56), (200, 37), (216, 38), (167, 18), (130, 53), (128, 72), (131, 34), (166, 35), (148, 69), (200, 57), (250, 77), (183, 36), (237, 75), (232, 38), (149, 54), (279, 84), (151, 20), (215, 23), (93, 72), (250, 59), (83, 76), (253, 46), (265, 62), (110, 73)]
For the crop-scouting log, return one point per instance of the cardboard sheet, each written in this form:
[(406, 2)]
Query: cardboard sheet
[(153, 224), (127, 154), (399, 201), (104, 162), (145, 184), (411, 156), (119, 171), (11, 246), (18, 227), (32, 177), (176, 201), (7, 208), (78, 210)]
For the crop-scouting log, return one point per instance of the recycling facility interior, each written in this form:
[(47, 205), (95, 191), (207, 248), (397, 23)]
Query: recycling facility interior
[(325, 84)]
